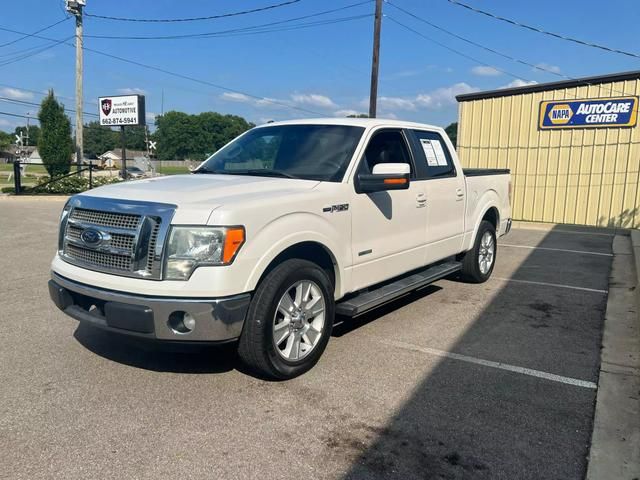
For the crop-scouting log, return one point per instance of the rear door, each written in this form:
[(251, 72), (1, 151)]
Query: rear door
[(388, 227), (445, 192)]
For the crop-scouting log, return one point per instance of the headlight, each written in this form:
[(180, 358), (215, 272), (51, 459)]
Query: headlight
[(63, 226), (191, 247)]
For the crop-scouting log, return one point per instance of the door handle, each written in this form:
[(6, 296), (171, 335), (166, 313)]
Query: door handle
[(460, 192)]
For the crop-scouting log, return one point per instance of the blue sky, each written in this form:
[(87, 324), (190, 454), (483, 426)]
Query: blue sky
[(324, 69)]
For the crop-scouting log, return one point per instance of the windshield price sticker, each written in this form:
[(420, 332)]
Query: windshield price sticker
[(122, 110), (589, 113)]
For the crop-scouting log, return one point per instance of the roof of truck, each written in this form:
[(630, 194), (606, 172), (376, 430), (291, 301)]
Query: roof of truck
[(356, 122)]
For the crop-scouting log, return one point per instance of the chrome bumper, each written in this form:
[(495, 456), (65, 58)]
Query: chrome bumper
[(216, 319)]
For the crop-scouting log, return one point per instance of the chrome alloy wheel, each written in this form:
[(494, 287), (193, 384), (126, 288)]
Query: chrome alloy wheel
[(486, 255), (299, 320)]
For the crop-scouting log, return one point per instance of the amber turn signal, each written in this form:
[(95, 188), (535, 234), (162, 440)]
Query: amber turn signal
[(395, 181), (233, 240)]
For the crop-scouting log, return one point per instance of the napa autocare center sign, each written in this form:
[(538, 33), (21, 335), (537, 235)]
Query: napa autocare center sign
[(601, 112), (121, 110)]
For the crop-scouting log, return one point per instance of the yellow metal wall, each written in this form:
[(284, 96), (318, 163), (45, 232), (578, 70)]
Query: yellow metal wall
[(581, 176)]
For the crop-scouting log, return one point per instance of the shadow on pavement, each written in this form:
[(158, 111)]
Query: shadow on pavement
[(465, 420), (157, 357)]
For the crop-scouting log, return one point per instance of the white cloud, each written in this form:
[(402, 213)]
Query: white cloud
[(445, 96), (313, 99), (389, 115), (485, 71), (268, 102), (518, 83), (15, 93), (151, 115), (346, 112), (236, 97), (132, 91), (396, 103)]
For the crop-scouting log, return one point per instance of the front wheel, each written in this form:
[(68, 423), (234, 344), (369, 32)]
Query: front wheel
[(478, 263), (289, 321)]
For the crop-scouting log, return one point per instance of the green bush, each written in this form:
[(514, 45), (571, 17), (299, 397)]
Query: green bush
[(71, 185)]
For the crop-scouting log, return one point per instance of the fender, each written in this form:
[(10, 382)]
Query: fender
[(488, 200), (269, 242)]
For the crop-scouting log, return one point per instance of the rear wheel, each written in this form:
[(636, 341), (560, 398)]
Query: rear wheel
[(478, 263), (289, 320)]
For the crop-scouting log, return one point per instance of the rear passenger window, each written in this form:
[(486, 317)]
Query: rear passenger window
[(435, 154)]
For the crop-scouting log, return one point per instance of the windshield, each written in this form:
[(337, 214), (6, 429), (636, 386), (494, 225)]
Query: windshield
[(310, 152)]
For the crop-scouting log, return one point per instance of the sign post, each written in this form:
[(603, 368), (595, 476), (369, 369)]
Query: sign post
[(120, 111)]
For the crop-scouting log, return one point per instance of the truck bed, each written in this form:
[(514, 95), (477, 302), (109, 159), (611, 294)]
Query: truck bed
[(477, 172)]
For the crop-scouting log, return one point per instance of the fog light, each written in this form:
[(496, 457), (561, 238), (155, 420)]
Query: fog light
[(181, 322)]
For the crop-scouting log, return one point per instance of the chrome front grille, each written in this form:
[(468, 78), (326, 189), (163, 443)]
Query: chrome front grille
[(106, 219), (127, 244)]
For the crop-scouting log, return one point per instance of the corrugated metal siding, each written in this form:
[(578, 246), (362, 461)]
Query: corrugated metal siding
[(580, 176)]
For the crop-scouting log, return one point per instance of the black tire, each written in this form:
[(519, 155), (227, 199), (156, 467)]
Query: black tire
[(470, 265), (256, 347)]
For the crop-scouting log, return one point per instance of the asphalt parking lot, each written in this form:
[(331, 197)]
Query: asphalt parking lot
[(492, 381)]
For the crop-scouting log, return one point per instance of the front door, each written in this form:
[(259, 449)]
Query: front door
[(445, 195), (388, 228)]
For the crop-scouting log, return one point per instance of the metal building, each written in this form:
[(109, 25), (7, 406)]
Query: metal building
[(572, 147)]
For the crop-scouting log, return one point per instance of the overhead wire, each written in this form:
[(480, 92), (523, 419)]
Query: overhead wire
[(227, 32), (545, 32), (36, 52), (238, 32), (180, 75), (27, 35), (193, 19)]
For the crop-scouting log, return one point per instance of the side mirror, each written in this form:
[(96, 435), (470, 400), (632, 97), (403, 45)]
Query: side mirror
[(385, 176)]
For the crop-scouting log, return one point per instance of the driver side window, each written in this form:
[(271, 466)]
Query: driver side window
[(387, 146)]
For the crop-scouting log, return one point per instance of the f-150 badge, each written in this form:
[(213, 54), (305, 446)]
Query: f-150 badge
[(342, 207)]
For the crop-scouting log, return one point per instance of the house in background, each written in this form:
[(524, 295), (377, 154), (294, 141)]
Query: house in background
[(113, 158)]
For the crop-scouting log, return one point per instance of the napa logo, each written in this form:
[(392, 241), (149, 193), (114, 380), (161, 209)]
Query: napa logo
[(589, 113), (560, 114)]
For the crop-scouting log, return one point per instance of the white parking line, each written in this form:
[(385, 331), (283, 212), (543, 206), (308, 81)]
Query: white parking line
[(488, 363), (584, 252), (554, 285)]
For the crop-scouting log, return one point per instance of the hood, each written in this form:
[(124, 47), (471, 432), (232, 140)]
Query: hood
[(198, 195)]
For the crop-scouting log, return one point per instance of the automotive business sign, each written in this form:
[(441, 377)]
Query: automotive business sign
[(588, 113), (121, 110)]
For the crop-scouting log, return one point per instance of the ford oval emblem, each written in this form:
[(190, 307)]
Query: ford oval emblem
[(91, 237)]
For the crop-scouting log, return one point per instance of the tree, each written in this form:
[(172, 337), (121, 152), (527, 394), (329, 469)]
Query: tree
[(54, 144), (452, 131), (182, 136), (358, 115), (98, 139), (34, 133), (6, 139)]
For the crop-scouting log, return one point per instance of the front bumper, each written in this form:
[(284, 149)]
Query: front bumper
[(216, 319)]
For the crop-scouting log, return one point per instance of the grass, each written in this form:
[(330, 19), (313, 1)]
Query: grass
[(8, 167), (173, 170)]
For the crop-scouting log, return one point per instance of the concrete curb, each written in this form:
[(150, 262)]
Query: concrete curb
[(615, 444), (562, 227)]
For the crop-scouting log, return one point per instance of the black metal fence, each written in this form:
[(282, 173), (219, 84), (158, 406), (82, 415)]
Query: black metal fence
[(18, 174)]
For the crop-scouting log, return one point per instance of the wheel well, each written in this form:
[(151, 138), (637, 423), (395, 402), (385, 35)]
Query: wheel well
[(492, 217), (311, 251)]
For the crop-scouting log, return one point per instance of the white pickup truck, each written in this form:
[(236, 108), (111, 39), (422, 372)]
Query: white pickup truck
[(287, 226)]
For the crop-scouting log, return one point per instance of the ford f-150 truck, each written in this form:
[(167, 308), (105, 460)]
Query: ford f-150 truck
[(287, 226)]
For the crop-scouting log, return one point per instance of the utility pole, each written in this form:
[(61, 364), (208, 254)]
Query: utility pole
[(375, 62), (75, 7)]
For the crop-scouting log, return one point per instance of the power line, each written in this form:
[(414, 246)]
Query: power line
[(236, 32), (233, 30), (545, 32), (475, 44), (179, 75), (27, 35), (457, 52), (36, 52), (194, 19)]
